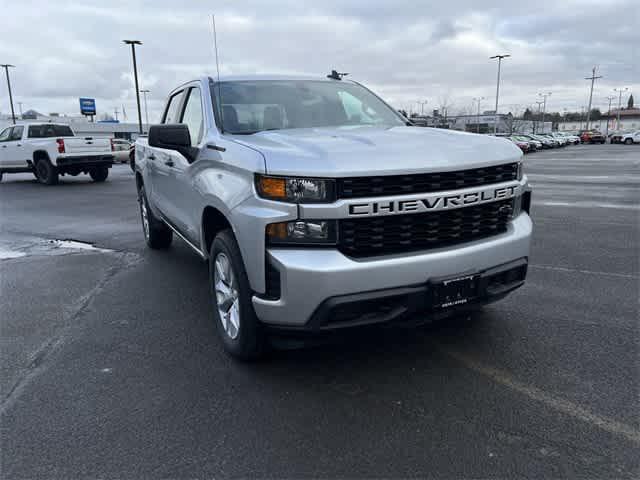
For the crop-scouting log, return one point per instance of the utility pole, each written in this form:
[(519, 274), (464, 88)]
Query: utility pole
[(6, 71), (115, 112), (499, 57), (133, 44), (619, 90), (544, 106), (146, 112), (611, 97), (478, 100), (593, 78)]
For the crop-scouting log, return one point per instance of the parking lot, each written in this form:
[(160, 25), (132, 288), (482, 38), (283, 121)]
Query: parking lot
[(111, 366)]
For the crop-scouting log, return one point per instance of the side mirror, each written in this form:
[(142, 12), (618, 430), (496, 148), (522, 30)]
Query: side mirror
[(173, 137)]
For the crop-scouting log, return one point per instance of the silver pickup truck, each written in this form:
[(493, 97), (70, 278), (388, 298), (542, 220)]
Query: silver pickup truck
[(320, 208)]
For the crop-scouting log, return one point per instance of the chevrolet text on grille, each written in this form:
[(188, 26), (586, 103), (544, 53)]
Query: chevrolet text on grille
[(434, 202)]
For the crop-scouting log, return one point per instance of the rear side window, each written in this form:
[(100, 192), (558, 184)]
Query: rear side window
[(47, 131), (193, 117), (172, 113), (16, 133)]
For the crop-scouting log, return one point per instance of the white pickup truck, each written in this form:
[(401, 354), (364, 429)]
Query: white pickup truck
[(50, 149)]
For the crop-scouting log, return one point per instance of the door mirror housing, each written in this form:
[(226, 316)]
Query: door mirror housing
[(173, 137)]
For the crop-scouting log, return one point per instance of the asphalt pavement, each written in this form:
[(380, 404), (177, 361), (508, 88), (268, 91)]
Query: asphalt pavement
[(110, 365)]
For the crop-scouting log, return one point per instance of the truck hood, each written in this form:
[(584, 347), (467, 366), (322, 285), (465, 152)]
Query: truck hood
[(353, 151)]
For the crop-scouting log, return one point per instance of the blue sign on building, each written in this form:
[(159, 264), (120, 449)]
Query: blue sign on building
[(88, 106)]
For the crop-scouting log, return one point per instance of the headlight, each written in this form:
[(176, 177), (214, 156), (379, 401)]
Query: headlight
[(295, 190), (321, 232), (520, 172)]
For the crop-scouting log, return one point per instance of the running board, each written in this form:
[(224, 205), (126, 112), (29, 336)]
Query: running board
[(188, 242)]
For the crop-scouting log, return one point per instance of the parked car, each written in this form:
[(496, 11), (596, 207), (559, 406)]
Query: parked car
[(562, 140), (522, 144), (120, 149), (533, 144), (537, 144), (281, 195), (592, 136), (545, 141), (50, 150), (571, 139), (555, 142), (628, 138)]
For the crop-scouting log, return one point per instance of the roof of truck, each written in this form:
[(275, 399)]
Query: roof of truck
[(245, 78)]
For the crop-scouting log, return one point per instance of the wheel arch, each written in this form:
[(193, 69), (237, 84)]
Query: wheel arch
[(212, 222), (39, 155)]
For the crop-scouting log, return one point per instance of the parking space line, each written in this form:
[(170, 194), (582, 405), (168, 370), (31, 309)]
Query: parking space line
[(556, 403), (588, 272), (588, 205)]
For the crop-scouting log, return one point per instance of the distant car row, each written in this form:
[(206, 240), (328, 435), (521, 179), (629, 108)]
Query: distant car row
[(533, 142)]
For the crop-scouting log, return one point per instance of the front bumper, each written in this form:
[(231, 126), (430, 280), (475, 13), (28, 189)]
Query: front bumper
[(310, 277)]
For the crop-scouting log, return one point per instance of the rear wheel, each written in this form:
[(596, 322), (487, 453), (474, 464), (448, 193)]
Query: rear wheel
[(156, 233), (46, 173), (237, 324), (99, 174)]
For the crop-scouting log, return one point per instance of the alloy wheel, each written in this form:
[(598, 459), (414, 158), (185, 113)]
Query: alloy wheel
[(227, 295)]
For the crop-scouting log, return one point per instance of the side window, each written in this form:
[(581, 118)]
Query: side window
[(16, 133), (193, 117), (172, 113), (4, 135)]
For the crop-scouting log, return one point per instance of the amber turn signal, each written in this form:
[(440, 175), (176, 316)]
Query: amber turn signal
[(272, 187)]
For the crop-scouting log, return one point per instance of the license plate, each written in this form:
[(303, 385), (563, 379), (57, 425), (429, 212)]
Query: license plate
[(454, 291)]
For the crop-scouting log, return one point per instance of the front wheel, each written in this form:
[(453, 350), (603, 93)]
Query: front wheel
[(628, 141), (237, 324), (99, 174)]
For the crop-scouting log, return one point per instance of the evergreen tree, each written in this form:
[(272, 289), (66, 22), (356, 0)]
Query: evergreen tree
[(630, 101)]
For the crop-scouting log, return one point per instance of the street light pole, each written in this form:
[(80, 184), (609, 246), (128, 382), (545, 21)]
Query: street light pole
[(538, 116), (611, 97), (619, 90), (478, 100), (544, 106), (499, 57), (146, 111), (6, 71), (133, 44)]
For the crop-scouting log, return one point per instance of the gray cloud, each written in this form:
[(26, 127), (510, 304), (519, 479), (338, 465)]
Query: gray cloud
[(406, 50)]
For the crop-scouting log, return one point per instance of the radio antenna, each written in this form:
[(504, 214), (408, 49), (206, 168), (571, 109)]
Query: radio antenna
[(215, 48)]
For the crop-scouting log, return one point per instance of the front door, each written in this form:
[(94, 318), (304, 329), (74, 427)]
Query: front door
[(4, 139), (174, 173), (14, 152)]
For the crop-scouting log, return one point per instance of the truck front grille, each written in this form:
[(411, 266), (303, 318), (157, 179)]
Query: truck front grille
[(361, 187), (371, 236)]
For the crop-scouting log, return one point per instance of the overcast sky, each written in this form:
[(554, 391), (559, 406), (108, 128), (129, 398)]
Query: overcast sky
[(406, 50)]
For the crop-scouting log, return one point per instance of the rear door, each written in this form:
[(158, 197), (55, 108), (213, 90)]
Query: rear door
[(14, 152), (174, 178)]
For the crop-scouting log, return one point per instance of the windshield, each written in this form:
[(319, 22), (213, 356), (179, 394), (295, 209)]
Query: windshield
[(258, 105)]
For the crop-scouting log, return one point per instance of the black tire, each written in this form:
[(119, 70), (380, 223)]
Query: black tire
[(249, 342), (156, 233), (99, 174), (132, 161), (1, 176), (628, 141), (46, 173)]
